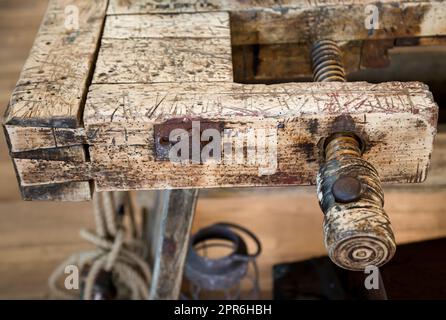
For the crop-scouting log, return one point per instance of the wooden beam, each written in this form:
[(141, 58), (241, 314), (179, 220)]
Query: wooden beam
[(398, 120), (139, 60), (34, 138), (165, 48), (301, 21), (177, 212), (53, 187), (435, 178), (53, 83)]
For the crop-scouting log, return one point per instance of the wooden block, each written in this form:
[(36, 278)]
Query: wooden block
[(66, 191), (121, 138), (163, 60), (51, 88), (32, 138), (52, 187), (271, 22), (338, 22), (197, 26), (165, 48)]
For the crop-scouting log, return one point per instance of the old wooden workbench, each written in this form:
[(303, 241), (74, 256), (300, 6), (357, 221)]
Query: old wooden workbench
[(102, 74), (105, 80)]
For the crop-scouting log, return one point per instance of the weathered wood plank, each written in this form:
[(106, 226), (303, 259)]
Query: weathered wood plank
[(67, 191), (165, 48), (169, 6), (117, 7), (436, 178), (50, 189), (53, 82), (37, 172), (33, 138), (197, 25), (163, 60), (121, 137), (135, 104), (72, 153), (270, 22), (119, 120), (176, 213), (339, 22), (80, 190)]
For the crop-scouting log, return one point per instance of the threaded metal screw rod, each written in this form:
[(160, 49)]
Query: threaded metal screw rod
[(327, 62), (357, 231)]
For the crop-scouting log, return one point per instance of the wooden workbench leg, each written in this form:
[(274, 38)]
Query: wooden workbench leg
[(176, 210)]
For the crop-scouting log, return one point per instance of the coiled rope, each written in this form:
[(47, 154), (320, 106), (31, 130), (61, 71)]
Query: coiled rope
[(117, 251)]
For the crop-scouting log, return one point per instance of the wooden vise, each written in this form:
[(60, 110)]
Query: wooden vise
[(110, 87), (90, 97)]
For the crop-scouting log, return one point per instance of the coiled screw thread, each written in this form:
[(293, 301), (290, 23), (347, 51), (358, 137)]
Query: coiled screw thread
[(327, 62)]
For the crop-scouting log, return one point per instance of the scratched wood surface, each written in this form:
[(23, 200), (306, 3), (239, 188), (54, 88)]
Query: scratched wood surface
[(37, 237), (35, 138), (140, 60), (52, 85), (270, 21), (120, 132), (157, 61), (45, 109), (121, 136), (165, 48), (265, 49)]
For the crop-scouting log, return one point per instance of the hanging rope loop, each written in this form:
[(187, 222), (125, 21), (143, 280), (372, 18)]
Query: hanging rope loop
[(117, 267)]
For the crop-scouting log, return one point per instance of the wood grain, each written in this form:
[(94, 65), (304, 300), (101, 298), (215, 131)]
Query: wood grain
[(66, 191), (157, 66), (119, 121), (196, 26), (38, 172), (164, 60), (32, 138), (177, 211), (136, 104), (270, 22), (52, 188), (165, 48), (53, 82)]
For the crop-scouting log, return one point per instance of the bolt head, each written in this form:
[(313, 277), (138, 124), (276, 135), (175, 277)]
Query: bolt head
[(346, 189)]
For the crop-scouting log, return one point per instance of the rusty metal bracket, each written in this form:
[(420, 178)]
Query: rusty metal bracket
[(162, 132)]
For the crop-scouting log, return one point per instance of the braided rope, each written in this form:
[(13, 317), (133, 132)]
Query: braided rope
[(117, 251)]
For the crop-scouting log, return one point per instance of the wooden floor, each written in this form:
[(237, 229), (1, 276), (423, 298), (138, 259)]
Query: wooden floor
[(35, 237)]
